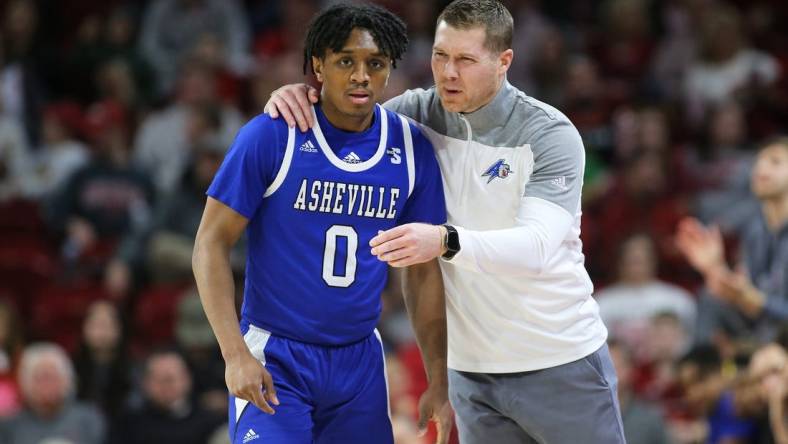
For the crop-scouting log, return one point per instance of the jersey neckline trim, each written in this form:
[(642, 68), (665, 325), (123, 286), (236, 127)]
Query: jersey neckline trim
[(353, 167)]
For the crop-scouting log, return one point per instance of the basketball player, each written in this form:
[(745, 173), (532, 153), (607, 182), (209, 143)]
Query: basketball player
[(307, 365), (526, 346)]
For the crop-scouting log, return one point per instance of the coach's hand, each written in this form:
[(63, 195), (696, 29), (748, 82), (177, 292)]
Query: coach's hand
[(248, 379), (408, 244), (434, 406), (293, 103)]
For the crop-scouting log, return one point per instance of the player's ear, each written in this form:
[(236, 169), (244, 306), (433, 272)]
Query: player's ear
[(317, 68)]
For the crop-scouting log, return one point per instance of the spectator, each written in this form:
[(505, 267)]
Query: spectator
[(722, 170), (643, 423), (120, 39), (677, 48), (107, 198), (769, 368), (640, 201), (269, 74), (284, 32), (164, 138), (708, 396), (47, 380), (195, 338), (625, 47), (587, 105), (752, 302), (168, 415), (727, 68), (14, 157), (171, 29), (102, 362), (547, 64), (61, 153), (107, 42), (162, 250), (24, 66), (655, 377), (11, 343), (628, 305)]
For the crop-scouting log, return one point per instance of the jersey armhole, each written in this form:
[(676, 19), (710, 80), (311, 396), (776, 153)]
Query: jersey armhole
[(285, 167), (409, 157)]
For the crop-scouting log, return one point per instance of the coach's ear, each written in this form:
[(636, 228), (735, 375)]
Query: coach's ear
[(317, 67), (505, 61)]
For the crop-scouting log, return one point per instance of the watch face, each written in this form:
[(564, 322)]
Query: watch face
[(453, 241)]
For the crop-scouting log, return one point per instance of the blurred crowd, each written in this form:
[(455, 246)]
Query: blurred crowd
[(115, 114)]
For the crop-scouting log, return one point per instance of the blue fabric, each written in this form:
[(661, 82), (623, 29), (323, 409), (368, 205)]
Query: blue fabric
[(724, 424), (327, 395), (319, 214)]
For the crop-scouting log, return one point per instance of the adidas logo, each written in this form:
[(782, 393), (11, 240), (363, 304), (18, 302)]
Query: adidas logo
[(308, 147), (352, 158), (250, 436), (559, 182)]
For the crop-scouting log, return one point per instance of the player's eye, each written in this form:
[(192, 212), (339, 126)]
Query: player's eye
[(345, 61), (376, 64)]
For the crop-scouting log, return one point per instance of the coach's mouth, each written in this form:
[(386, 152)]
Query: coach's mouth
[(451, 91)]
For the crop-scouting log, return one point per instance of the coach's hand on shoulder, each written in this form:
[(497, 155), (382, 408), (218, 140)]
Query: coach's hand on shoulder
[(248, 379), (293, 103), (408, 244), (434, 406)]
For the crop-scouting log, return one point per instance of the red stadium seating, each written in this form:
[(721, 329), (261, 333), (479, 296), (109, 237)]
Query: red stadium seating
[(59, 309), (154, 315)]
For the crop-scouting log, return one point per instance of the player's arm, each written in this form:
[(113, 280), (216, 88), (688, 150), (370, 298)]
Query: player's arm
[(234, 197), (220, 228), (426, 306)]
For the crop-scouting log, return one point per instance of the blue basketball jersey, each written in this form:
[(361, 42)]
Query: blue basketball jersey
[(314, 200)]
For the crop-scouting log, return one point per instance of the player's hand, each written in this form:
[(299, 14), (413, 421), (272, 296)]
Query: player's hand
[(293, 103), (248, 379), (408, 244), (434, 406), (703, 247)]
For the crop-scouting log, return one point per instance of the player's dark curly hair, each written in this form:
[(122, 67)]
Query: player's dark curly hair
[(331, 29)]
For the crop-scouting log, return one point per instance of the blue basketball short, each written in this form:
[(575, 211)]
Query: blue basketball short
[(327, 395)]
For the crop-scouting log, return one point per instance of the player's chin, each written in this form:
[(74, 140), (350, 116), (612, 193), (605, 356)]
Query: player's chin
[(360, 110)]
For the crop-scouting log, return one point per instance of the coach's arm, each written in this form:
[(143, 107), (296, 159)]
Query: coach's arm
[(548, 211), (422, 286), (220, 228)]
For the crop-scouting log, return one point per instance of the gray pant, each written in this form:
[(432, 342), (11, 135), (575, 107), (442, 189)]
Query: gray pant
[(570, 404)]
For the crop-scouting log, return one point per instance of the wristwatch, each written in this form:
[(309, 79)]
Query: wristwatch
[(451, 242)]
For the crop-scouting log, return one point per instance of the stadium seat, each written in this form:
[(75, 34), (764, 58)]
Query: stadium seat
[(20, 216), (59, 309), (154, 315), (27, 262)]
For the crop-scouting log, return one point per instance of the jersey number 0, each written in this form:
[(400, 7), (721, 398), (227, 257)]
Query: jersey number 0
[(329, 255)]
